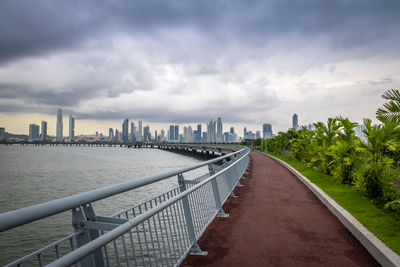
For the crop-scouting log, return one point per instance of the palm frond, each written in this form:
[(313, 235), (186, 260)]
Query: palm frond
[(391, 109), (392, 94)]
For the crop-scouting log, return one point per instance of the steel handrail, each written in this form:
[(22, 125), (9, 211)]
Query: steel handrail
[(32, 213), (99, 242)]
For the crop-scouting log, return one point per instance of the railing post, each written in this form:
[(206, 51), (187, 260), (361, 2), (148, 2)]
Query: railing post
[(237, 174), (221, 212), (231, 184), (195, 249), (80, 215)]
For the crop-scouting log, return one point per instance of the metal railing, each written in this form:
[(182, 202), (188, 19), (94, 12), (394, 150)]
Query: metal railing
[(158, 232)]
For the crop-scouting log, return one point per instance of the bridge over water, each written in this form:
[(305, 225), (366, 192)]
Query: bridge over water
[(272, 220)]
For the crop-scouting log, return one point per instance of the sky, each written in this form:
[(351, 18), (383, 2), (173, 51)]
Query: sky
[(187, 62)]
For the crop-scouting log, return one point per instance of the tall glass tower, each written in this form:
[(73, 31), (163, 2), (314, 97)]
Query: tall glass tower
[(43, 136), (59, 130), (140, 131), (71, 128), (125, 133), (295, 122), (219, 130)]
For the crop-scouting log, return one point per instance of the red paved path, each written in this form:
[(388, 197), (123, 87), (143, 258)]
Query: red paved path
[(277, 221)]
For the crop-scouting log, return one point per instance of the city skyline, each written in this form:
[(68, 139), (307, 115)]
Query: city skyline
[(214, 132), (194, 62), (127, 134)]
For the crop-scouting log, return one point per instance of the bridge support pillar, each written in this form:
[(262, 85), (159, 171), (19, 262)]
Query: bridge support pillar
[(195, 249)]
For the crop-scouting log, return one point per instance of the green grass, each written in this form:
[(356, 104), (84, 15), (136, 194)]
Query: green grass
[(384, 224)]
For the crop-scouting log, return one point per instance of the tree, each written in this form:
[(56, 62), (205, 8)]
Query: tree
[(374, 176), (391, 110), (344, 152)]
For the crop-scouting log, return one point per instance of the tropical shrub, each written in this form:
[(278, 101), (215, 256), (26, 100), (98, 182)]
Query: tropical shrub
[(374, 178), (393, 205)]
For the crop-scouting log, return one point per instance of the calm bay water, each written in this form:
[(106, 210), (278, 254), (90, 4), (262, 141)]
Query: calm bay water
[(35, 174)]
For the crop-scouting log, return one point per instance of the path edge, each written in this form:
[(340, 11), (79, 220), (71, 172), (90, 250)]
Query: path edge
[(382, 253)]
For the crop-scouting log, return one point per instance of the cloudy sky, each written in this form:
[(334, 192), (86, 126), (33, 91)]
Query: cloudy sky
[(184, 62)]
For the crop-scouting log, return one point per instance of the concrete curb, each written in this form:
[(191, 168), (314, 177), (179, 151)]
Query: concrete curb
[(382, 253)]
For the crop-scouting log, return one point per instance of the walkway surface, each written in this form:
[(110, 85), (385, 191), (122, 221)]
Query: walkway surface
[(277, 221)]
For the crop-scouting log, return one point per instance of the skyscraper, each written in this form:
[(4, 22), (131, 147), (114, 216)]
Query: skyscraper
[(117, 136), (110, 134), (211, 133), (71, 128), (162, 135), (133, 131), (59, 130), (295, 122), (185, 134), (33, 132), (140, 131), (2, 133), (197, 134), (171, 136), (43, 136), (190, 134), (267, 130), (359, 132), (146, 133), (176, 134), (219, 130), (125, 133)]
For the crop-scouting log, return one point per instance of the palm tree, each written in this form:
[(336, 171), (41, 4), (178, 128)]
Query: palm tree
[(391, 110), (381, 139), (346, 128), (374, 176)]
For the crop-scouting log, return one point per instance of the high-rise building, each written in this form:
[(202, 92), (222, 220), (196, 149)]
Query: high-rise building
[(295, 122), (171, 136), (117, 136), (71, 128), (162, 138), (125, 133), (2, 133), (359, 131), (176, 134), (185, 133), (110, 134), (155, 136), (59, 130), (140, 132), (146, 134), (219, 130), (43, 135), (197, 134), (267, 131), (232, 130), (204, 137), (33, 132), (133, 131), (190, 134), (211, 131)]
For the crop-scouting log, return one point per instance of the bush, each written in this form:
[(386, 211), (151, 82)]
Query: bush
[(374, 178), (393, 205)]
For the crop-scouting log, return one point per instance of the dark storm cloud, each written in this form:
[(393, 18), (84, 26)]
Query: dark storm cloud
[(30, 28), (65, 98)]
